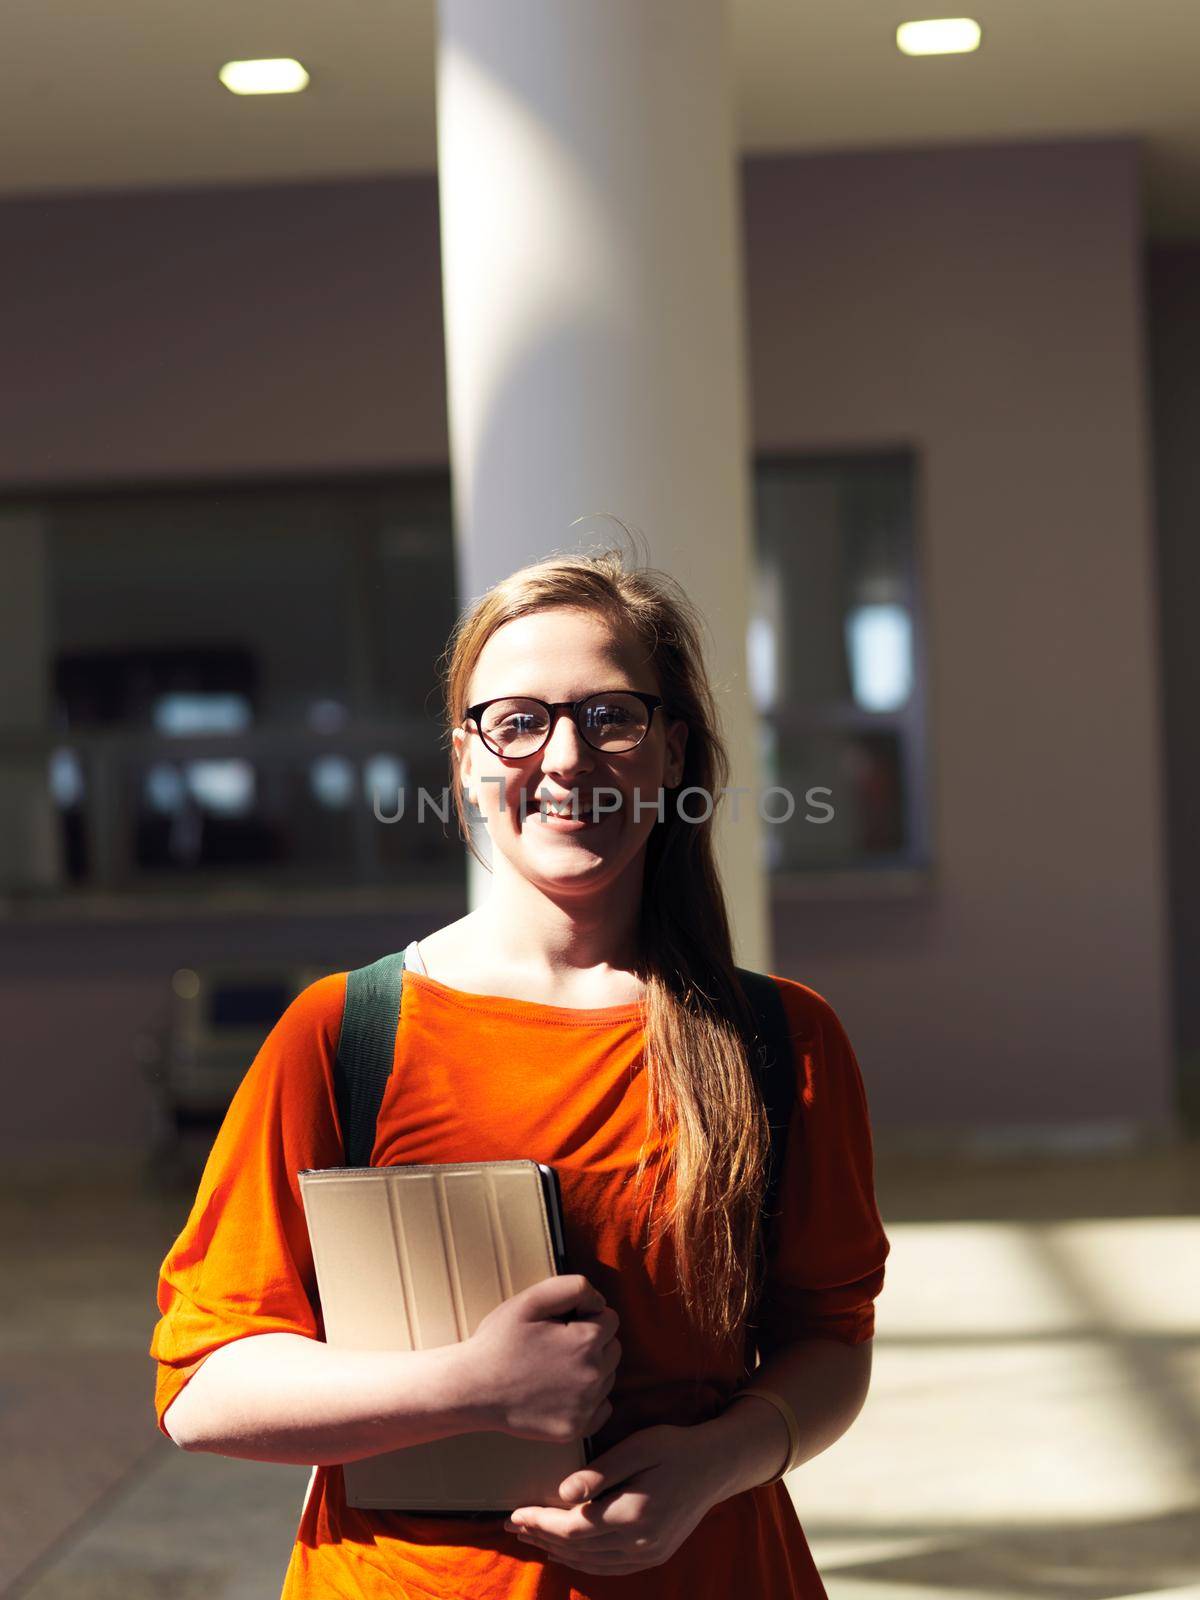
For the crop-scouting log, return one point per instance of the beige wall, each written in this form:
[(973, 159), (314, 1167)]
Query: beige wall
[(983, 304), (245, 331)]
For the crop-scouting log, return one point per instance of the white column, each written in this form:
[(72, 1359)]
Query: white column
[(30, 838), (594, 322)]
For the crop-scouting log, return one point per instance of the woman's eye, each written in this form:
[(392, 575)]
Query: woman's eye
[(517, 726)]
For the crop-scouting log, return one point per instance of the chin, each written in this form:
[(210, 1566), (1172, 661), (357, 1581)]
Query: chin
[(561, 870)]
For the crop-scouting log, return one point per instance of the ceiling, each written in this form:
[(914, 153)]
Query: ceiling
[(124, 94)]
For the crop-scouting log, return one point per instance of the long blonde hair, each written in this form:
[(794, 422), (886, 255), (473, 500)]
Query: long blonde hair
[(699, 1079)]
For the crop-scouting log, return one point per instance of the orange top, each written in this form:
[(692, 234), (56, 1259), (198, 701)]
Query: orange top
[(482, 1077)]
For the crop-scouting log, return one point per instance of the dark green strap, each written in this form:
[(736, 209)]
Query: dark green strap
[(366, 1051), (772, 1061), (367, 1047), (772, 1057)]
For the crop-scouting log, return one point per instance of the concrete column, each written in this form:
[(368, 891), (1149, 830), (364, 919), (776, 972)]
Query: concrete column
[(30, 840), (594, 322)]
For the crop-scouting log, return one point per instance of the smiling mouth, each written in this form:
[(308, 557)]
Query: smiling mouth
[(574, 809), (578, 819)]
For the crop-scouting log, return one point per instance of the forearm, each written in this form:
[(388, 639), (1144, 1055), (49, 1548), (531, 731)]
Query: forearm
[(283, 1397), (824, 1380)]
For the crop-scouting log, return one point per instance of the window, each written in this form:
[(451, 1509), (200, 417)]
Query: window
[(237, 673), (242, 682), (836, 661)]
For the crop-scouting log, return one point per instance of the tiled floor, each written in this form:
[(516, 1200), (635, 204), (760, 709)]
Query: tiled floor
[(1033, 1428)]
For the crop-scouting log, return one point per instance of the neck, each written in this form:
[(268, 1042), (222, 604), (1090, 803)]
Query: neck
[(559, 932)]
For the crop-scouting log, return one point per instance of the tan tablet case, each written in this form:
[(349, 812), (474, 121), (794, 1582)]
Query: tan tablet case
[(410, 1257)]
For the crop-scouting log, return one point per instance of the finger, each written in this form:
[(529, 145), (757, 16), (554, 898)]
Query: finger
[(600, 1565), (591, 1538), (618, 1508), (573, 1522), (600, 1540), (588, 1557), (578, 1554)]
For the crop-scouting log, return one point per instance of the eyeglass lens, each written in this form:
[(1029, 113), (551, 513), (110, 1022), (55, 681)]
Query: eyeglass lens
[(609, 722)]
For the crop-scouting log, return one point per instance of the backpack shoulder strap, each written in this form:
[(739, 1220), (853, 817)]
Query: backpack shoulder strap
[(772, 1059), (367, 1044), (366, 1051)]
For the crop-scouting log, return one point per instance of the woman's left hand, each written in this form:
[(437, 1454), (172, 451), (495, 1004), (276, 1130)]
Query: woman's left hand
[(640, 1500)]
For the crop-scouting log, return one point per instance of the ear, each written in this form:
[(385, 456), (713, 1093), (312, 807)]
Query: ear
[(462, 762)]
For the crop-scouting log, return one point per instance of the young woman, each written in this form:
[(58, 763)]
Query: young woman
[(586, 1015)]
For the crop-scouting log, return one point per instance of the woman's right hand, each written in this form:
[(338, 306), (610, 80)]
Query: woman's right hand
[(544, 1378)]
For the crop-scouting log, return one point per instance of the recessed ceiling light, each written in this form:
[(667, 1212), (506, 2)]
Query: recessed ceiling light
[(941, 36), (277, 75)]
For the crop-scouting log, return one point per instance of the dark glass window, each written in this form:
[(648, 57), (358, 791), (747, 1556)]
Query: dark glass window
[(237, 672), (244, 679), (837, 660)]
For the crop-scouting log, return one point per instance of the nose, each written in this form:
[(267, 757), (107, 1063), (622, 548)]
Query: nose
[(566, 749)]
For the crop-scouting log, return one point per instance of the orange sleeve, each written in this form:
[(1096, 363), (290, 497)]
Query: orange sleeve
[(242, 1264), (825, 1264)]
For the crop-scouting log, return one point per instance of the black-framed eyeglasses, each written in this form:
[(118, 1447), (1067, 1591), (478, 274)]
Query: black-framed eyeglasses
[(611, 720)]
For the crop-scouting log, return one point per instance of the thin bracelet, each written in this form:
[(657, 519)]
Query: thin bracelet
[(793, 1428)]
